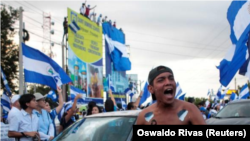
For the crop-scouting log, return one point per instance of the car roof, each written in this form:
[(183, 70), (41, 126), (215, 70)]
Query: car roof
[(239, 101), (116, 114)]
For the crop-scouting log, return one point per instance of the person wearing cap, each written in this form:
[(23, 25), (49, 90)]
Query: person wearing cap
[(203, 112), (27, 123), (68, 116), (167, 110), (15, 109), (46, 128), (114, 24)]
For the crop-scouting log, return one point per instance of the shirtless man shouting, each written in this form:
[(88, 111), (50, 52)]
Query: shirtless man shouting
[(167, 110)]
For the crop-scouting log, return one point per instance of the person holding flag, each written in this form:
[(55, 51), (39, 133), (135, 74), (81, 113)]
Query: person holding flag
[(54, 112)]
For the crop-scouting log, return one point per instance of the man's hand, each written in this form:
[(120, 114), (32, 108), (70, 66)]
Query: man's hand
[(31, 134), (59, 90), (51, 138), (78, 96)]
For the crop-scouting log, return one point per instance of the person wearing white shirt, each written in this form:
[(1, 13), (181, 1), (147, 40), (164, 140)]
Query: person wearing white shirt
[(15, 109), (25, 126), (83, 9)]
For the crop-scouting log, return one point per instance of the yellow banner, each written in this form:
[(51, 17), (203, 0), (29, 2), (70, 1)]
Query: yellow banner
[(86, 43), (231, 91)]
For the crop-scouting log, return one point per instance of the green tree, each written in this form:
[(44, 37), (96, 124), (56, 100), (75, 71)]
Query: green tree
[(9, 50)]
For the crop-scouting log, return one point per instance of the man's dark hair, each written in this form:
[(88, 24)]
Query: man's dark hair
[(154, 73), (130, 105), (109, 105), (25, 98)]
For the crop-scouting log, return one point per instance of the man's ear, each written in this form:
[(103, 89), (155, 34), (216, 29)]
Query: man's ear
[(150, 89)]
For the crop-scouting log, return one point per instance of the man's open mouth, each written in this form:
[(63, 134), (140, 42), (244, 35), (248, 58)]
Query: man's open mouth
[(168, 91)]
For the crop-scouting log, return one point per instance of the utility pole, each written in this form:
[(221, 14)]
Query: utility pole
[(235, 83), (21, 79), (63, 66)]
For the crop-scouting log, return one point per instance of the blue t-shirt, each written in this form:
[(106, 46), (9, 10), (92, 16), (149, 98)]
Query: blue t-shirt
[(44, 121)]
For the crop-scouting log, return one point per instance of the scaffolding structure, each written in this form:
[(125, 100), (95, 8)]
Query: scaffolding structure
[(47, 44)]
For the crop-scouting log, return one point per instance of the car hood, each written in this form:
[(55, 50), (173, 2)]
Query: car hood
[(229, 121)]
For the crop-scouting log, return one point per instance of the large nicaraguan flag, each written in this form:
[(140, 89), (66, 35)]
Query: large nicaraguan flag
[(41, 69), (238, 16), (115, 40)]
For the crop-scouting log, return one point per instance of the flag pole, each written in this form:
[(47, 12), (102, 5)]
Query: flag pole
[(21, 80)]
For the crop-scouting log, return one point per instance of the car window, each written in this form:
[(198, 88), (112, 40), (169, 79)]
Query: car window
[(99, 129), (240, 109)]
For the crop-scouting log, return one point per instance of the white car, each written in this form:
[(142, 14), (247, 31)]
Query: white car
[(108, 126)]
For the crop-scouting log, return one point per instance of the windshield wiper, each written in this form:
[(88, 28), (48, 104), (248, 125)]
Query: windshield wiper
[(218, 117), (236, 117)]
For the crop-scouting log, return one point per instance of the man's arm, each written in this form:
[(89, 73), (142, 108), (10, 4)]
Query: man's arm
[(137, 102), (19, 134), (60, 99), (196, 116)]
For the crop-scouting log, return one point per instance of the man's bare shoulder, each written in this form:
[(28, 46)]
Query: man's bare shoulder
[(149, 108), (141, 117), (186, 105)]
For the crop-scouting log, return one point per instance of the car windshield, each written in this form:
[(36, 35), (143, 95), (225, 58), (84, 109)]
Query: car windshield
[(235, 110), (99, 129)]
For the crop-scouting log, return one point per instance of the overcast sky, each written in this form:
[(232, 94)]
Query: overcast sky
[(191, 37)]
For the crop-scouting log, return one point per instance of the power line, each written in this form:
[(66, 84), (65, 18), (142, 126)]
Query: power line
[(43, 37), (181, 46)]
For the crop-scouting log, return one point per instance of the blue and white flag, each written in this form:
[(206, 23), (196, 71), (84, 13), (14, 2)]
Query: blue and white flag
[(178, 94), (233, 97), (115, 40), (74, 91), (74, 27), (5, 102), (181, 96), (218, 95), (146, 96), (110, 84), (130, 93), (41, 69), (52, 95), (5, 82), (224, 93), (209, 92), (178, 90), (238, 16), (65, 105), (244, 92)]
